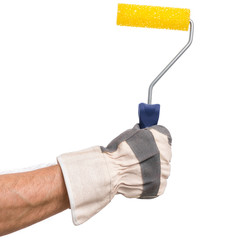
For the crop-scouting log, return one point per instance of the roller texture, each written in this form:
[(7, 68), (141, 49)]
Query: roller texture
[(153, 17)]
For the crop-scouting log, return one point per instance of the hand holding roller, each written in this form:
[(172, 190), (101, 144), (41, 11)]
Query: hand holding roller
[(136, 164)]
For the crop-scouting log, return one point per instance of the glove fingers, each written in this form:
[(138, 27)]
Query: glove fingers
[(162, 130)]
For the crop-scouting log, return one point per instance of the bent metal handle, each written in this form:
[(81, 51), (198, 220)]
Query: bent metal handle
[(172, 62)]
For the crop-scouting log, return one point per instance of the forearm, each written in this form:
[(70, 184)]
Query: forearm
[(29, 197)]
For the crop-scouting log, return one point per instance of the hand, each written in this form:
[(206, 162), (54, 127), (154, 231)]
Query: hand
[(135, 164)]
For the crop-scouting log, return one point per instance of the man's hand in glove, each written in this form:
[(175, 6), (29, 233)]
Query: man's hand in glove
[(135, 164)]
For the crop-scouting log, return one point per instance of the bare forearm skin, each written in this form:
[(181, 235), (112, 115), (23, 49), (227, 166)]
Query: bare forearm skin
[(29, 197)]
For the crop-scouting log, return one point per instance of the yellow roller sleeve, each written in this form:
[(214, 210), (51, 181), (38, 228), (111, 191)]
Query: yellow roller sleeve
[(153, 17)]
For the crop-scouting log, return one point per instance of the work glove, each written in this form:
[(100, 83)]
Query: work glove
[(136, 164)]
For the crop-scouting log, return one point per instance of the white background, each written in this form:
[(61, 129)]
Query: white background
[(70, 78)]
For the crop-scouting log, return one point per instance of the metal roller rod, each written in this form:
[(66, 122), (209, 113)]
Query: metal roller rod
[(171, 63)]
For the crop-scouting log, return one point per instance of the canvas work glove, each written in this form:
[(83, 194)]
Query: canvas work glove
[(135, 164)]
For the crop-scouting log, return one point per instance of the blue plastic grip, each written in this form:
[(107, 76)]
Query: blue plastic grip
[(148, 114)]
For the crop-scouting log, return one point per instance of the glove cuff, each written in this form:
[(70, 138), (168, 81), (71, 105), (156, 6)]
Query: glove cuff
[(88, 182)]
